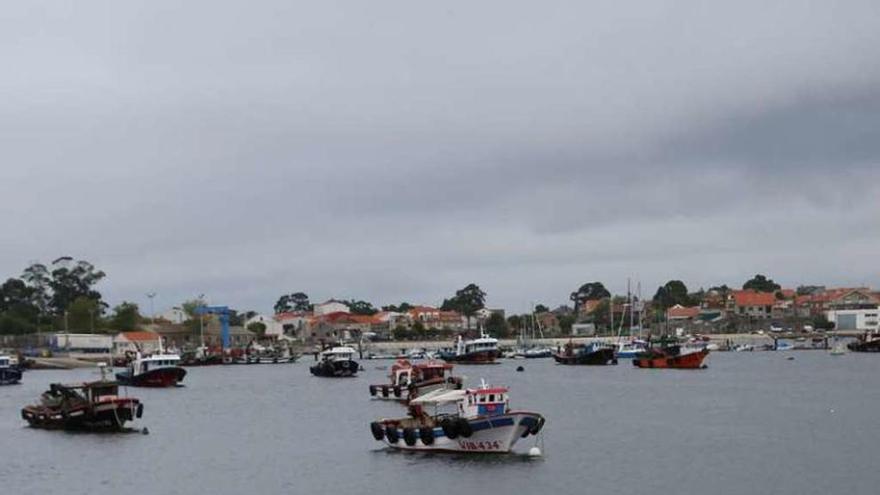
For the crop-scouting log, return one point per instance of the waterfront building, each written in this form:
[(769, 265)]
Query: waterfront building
[(143, 341), (751, 303), (331, 306)]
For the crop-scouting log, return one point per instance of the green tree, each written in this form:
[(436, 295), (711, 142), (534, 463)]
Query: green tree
[(400, 332), (761, 283), (540, 308), (189, 307), (591, 291), (400, 308), (361, 307), (496, 326), (82, 315), (258, 328), (565, 323), (126, 317), (68, 280), (672, 293), (297, 301), (466, 301)]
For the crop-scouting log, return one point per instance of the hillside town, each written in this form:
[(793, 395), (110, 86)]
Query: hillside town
[(69, 314)]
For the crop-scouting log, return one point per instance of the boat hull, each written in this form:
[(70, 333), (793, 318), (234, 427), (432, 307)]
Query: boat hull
[(689, 361), (110, 415), (157, 378), (871, 346), (335, 369), (599, 357), (480, 357), (496, 434), (9, 376)]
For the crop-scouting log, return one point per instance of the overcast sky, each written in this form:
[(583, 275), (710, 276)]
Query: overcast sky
[(398, 150)]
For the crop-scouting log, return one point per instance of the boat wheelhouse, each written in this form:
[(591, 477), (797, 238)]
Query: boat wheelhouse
[(157, 370), (483, 350), (9, 373), (408, 381), (628, 350), (472, 420), (336, 362)]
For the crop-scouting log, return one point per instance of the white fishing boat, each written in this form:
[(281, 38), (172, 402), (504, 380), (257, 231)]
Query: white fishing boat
[(473, 420), (631, 349)]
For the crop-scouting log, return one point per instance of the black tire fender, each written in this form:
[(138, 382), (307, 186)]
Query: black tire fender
[(377, 430), (409, 436), (391, 434), (426, 433)]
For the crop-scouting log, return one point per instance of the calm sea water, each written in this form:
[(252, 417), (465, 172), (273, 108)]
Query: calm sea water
[(751, 423)]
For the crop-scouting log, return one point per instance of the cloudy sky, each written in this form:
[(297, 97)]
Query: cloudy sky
[(398, 150)]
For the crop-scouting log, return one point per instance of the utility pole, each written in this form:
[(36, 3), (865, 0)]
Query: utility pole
[(151, 295)]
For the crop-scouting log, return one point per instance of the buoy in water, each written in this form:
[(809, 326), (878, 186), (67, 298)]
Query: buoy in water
[(534, 452), (145, 431), (790, 358), (520, 368)]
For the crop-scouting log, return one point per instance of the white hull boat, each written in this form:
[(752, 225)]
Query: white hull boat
[(482, 423)]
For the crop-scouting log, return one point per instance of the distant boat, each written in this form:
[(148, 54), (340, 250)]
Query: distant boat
[(9, 374), (838, 349), (784, 346), (866, 343), (157, 370), (483, 350), (672, 356), (595, 354), (336, 362), (629, 350)]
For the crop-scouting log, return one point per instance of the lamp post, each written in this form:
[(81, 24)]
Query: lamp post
[(151, 295)]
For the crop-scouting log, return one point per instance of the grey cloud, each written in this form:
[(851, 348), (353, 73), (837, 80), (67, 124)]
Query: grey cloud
[(399, 151)]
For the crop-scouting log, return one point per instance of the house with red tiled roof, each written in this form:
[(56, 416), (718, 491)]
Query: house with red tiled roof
[(679, 312), (437, 318), (143, 341), (337, 326), (751, 303)]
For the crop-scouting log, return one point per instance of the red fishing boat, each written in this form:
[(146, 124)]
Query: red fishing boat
[(672, 357), (408, 381)]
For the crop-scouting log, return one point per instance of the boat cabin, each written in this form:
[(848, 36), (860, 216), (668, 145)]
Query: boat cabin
[(401, 373), (431, 370), (156, 361), (5, 362), (485, 402), (338, 354), (470, 403), (482, 344)]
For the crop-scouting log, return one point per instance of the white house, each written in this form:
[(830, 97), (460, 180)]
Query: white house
[(174, 315), (855, 319), (274, 328), (330, 306)]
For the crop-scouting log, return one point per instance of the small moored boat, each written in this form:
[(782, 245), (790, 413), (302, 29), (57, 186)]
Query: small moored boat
[(408, 381), (93, 406), (157, 370), (481, 421), (336, 362), (594, 353), (9, 374), (869, 342), (671, 356), (483, 350)]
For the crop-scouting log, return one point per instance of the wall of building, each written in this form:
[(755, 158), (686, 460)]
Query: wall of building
[(855, 319)]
